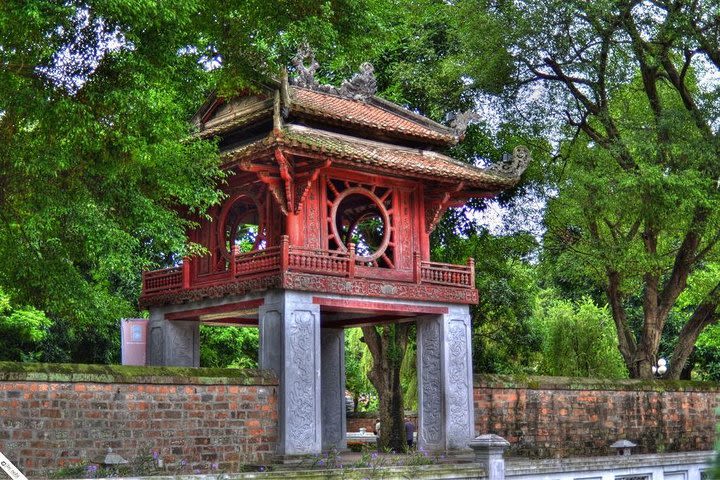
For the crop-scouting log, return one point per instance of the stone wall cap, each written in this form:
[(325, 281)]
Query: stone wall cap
[(85, 373), (489, 440), (623, 444), (529, 382)]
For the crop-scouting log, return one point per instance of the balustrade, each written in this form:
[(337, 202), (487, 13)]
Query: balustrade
[(285, 257), (161, 280)]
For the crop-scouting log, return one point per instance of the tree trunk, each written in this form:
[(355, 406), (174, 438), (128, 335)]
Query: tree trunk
[(387, 344), (705, 314)]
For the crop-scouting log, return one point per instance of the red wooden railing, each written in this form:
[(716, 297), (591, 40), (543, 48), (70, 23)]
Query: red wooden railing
[(288, 258), (161, 280), (260, 261), (448, 274), (324, 262)]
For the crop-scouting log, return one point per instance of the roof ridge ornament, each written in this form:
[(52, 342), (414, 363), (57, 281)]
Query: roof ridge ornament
[(305, 65), (459, 121), (513, 165), (360, 86)]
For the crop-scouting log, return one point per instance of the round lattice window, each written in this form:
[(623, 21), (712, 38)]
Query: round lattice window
[(242, 225), (359, 217)]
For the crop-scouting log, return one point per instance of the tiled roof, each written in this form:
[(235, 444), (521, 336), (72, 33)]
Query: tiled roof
[(375, 156), (373, 113)]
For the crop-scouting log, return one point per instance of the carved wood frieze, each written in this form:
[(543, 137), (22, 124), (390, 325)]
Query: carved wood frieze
[(376, 288), (318, 283), (213, 291)]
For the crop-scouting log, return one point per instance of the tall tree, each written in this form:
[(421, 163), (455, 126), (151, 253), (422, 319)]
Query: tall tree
[(388, 344), (97, 169), (637, 196)]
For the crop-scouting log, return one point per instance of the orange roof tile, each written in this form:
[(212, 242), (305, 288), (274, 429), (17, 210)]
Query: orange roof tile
[(373, 113), (376, 155)]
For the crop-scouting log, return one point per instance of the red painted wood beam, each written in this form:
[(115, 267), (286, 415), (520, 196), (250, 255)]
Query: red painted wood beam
[(366, 321), (364, 306), (230, 307), (248, 322)]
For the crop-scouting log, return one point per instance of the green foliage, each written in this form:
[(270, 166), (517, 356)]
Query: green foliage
[(634, 205), (579, 339), (22, 331), (98, 169), (504, 340), (706, 358), (358, 362), (408, 373), (229, 347)]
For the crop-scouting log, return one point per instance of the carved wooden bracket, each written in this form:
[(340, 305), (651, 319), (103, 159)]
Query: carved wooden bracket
[(276, 189), (286, 174), (435, 208), (288, 187), (304, 182)]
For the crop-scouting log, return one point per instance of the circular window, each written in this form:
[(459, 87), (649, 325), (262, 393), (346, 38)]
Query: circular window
[(243, 226), (359, 217)]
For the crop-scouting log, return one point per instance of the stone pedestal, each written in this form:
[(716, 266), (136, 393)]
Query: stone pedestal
[(290, 346), (172, 343), (445, 393), (332, 376), (489, 452)]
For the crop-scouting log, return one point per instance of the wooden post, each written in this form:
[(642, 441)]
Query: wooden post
[(416, 268), (186, 272), (233, 264), (351, 262), (284, 253), (471, 264)]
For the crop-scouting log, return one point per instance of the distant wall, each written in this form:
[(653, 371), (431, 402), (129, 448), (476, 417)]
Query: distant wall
[(55, 415), (560, 417), (366, 420)]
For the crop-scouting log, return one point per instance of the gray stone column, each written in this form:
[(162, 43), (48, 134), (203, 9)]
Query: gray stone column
[(171, 342), (332, 376), (445, 389), (459, 407), (290, 345), (431, 403)]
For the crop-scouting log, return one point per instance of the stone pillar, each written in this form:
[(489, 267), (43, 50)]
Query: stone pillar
[(445, 389), (332, 376), (172, 343), (489, 452), (290, 345)]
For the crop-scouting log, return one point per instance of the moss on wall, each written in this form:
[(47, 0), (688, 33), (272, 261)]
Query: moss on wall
[(578, 383), (70, 372)]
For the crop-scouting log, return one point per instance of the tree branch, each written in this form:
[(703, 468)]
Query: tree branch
[(705, 314), (626, 340)]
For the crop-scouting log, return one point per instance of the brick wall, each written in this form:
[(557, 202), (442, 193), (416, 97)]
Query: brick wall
[(200, 419), (560, 417)]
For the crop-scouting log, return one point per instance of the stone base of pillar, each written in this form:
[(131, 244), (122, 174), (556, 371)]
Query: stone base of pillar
[(445, 389), (290, 346), (172, 343), (332, 342)]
